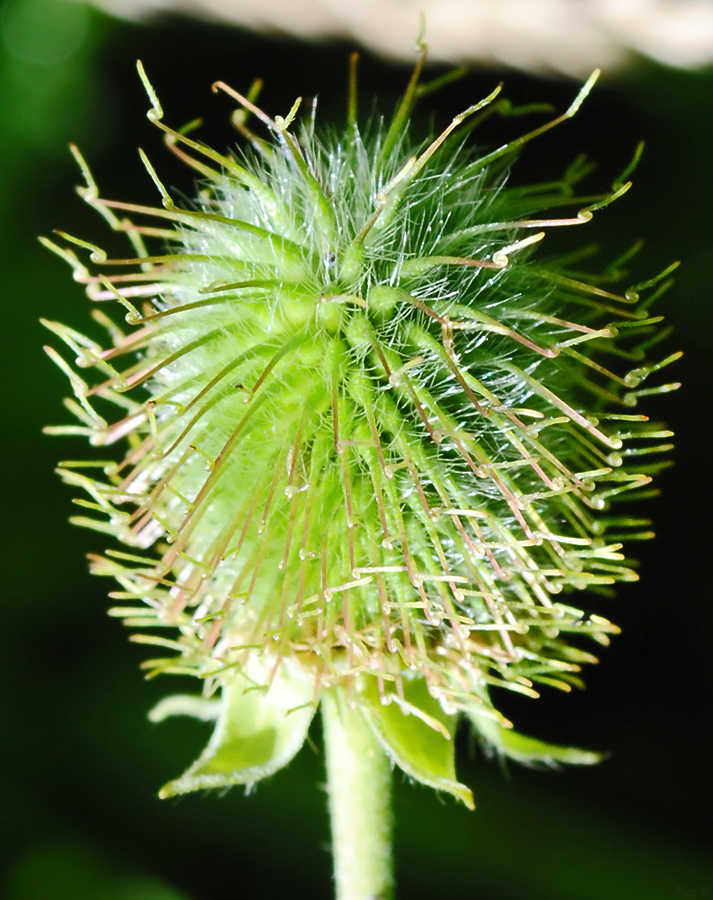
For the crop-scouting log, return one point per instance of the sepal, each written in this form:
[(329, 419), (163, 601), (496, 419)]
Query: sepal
[(203, 708), (258, 730), (509, 743), (416, 734)]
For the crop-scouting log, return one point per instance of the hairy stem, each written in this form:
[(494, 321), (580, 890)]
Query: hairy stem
[(359, 784)]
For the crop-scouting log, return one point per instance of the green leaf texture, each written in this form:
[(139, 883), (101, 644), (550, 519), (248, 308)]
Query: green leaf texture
[(258, 732)]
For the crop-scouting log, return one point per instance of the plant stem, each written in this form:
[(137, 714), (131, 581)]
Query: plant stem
[(359, 784)]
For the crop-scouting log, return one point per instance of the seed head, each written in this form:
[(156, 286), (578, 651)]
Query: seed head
[(368, 441)]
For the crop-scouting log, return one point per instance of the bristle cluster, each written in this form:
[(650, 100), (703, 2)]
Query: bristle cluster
[(365, 431)]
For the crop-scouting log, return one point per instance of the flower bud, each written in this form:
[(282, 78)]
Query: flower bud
[(364, 439)]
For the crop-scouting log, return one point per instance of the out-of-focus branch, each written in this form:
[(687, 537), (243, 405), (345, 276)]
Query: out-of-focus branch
[(566, 36)]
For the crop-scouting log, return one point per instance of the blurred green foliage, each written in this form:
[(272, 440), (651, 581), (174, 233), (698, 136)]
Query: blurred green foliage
[(71, 871), (79, 763)]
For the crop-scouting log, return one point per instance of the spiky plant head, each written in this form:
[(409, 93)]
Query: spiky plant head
[(370, 442)]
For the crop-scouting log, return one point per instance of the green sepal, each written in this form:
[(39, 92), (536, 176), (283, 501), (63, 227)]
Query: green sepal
[(529, 751), (257, 733), (416, 734), (207, 710)]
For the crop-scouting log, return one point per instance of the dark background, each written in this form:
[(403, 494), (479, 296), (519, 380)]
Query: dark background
[(80, 765)]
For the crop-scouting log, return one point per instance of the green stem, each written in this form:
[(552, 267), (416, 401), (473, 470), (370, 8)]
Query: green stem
[(359, 784)]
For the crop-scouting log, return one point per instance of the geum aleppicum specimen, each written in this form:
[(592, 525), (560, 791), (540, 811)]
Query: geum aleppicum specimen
[(370, 442)]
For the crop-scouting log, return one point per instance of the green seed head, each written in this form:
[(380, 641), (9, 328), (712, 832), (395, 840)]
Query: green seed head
[(364, 440)]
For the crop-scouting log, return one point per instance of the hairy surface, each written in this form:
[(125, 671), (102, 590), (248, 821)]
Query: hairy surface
[(364, 430)]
